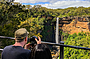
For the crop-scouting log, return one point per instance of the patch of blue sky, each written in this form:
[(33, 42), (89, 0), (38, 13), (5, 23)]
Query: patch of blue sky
[(74, 0), (35, 3)]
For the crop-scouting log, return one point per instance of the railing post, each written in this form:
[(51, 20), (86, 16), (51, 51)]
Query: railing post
[(61, 50)]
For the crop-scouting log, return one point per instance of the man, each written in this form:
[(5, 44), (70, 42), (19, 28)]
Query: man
[(16, 51)]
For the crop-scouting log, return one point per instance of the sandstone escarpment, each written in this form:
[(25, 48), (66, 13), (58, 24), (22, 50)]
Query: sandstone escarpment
[(75, 25)]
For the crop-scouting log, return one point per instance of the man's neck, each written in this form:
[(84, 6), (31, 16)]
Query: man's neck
[(19, 44)]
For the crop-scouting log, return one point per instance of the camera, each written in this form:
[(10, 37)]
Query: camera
[(32, 40)]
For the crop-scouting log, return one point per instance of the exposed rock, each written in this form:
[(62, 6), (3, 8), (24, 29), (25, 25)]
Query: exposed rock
[(76, 25)]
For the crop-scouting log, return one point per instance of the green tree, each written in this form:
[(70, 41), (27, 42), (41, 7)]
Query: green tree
[(81, 40)]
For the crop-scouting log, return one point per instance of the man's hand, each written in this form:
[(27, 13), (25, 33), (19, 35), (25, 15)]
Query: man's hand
[(38, 41), (27, 46)]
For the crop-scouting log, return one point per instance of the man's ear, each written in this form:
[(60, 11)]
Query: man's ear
[(26, 39), (15, 39)]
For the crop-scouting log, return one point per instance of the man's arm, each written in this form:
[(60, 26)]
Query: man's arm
[(27, 46)]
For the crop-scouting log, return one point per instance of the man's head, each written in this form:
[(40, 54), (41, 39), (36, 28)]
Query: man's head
[(21, 34)]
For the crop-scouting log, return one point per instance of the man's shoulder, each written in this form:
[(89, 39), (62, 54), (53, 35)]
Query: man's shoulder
[(7, 47)]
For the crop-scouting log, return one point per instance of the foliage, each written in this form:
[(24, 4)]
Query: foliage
[(33, 25), (81, 40), (48, 32)]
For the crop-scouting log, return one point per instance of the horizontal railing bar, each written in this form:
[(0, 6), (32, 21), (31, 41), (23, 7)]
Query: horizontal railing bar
[(6, 37), (1, 49), (76, 47)]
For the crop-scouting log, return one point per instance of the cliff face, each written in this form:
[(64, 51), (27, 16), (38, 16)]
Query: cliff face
[(75, 28), (75, 25)]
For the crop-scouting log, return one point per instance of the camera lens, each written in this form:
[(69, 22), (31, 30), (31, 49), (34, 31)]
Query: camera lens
[(32, 40)]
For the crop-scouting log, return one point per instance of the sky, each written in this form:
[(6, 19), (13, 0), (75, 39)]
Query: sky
[(54, 4)]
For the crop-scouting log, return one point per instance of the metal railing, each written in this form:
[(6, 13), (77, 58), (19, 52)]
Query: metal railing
[(61, 44)]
